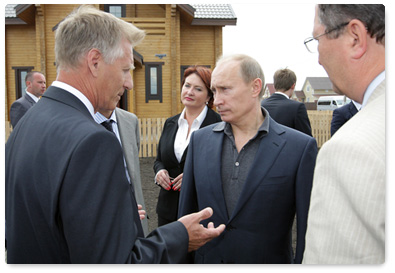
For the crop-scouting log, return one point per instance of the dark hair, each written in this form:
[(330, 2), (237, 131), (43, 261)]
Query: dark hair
[(371, 15), (30, 74), (284, 79), (204, 74)]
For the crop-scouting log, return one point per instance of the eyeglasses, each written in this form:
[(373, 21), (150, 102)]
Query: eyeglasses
[(311, 43)]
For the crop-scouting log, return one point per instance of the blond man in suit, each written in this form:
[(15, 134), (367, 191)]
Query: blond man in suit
[(346, 222)]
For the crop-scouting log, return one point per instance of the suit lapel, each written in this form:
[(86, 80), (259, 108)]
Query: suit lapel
[(29, 99), (214, 148), (268, 151), (173, 127), (127, 138), (208, 120)]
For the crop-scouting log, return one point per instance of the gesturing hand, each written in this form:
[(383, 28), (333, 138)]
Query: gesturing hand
[(198, 234)]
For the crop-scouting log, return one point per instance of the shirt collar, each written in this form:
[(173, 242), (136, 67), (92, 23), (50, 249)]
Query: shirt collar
[(99, 118), (76, 93), (357, 105), (281, 94), (372, 86), (263, 129), (32, 96), (199, 119)]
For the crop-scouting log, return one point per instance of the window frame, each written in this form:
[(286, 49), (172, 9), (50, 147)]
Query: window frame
[(18, 86), (148, 95), (123, 8)]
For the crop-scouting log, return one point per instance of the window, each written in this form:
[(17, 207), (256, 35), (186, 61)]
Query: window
[(153, 81), (116, 10), (20, 75), (184, 67), (325, 102)]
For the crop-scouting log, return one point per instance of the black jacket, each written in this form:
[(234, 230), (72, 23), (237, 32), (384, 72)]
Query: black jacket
[(288, 112)]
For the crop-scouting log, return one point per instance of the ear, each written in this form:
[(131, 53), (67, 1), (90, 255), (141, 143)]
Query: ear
[(94, 58), (357, 31), (256, 87)]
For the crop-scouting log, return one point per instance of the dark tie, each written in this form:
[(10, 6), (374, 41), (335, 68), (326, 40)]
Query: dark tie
[(108, 125)]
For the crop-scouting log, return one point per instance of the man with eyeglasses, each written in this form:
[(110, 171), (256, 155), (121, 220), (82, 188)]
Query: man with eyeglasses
[(346, 222)]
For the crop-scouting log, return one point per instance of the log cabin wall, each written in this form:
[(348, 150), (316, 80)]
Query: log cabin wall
[(169, 31)]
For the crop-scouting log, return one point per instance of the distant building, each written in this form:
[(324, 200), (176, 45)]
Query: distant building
[(269, 90), (315, 87), (299, 96)]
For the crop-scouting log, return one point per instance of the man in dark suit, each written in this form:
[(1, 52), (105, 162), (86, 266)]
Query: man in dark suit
[(72, 202), (166, 159), (35, 88), (281, 108), (125, 125), (342, 114), (255, 173)]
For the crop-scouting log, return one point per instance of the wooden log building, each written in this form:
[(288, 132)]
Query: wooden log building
[(178, 35)]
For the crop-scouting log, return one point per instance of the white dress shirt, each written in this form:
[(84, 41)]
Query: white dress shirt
[(285, 95), (182, 137), (76, 93), (32, 96)]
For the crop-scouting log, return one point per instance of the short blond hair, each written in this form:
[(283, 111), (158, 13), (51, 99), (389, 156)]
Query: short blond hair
[(87, 28)]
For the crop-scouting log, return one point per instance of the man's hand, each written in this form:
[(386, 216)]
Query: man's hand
[(198, 234)]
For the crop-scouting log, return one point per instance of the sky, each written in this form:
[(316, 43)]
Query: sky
[(273, 34)]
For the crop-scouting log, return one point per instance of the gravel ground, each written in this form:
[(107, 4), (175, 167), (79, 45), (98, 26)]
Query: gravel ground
[(150, 190)]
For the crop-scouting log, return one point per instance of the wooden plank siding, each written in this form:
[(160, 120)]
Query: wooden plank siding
[(18, 39), (168, 32), (320, 125)]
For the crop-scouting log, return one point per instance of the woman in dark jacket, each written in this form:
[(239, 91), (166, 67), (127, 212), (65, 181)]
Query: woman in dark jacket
[(197, 98)]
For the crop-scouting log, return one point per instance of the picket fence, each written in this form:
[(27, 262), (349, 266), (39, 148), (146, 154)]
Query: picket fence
[(151, 130)]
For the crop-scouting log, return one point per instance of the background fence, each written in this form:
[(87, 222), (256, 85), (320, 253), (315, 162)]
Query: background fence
[(151, 130)]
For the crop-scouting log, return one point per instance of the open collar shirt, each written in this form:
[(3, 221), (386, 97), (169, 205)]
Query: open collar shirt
[(236, 166)]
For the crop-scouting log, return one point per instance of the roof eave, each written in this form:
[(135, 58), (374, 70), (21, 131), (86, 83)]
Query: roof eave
[(213, 22), (25, 15), (14, 21)]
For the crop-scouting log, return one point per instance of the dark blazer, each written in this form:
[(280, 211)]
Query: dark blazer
[(278, 185), (288, 112), (341, 115), (67, 197), (19, 108), (167, 206)]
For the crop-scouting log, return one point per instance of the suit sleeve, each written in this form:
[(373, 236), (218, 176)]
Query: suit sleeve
[(302, 122), (337, 121), (16, 113), (304, 183), (98, 212)]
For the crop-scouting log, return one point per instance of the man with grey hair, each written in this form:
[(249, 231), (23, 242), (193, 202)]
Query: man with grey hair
[(72, 202), (346, 222), (255, 173)]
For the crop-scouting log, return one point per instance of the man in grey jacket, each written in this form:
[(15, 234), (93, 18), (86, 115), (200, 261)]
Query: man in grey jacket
[(35, 88)]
